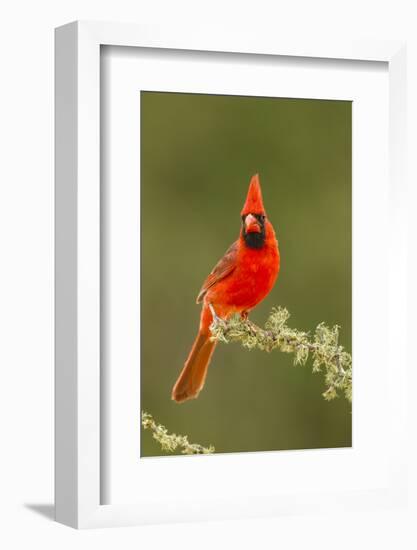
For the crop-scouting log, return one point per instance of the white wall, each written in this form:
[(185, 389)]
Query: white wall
[(26, 274)]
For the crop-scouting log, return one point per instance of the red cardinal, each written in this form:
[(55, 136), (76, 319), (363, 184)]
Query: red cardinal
[(239, 281)]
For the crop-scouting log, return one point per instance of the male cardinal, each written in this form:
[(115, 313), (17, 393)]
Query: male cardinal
[(238, 282)]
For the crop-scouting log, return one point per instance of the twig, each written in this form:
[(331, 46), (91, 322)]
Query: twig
[(172, 442), (328, 356)]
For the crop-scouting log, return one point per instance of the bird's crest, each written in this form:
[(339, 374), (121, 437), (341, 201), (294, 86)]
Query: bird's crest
[(254, 203)]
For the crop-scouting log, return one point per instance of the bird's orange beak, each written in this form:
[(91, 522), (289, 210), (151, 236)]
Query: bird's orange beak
[(252, 225)]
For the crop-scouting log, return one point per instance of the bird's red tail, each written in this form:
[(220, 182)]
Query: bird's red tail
[(191, 380)]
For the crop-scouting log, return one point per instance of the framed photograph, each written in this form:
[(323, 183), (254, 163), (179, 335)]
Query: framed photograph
[(229, 330)]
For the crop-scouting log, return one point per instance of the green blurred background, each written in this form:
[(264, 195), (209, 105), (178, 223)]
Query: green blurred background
[(198, 153)]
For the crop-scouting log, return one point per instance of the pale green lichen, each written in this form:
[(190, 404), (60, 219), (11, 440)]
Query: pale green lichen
[(327, 354), (172, 442)]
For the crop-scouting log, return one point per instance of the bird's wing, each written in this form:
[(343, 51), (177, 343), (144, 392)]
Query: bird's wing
[(222, 269)]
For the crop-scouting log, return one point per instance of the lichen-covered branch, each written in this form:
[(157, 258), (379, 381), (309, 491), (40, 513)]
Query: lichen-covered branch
[(172, 442), (328, 356)]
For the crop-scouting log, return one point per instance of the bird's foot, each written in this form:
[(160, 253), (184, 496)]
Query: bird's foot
[(216, 318), (244, 315)]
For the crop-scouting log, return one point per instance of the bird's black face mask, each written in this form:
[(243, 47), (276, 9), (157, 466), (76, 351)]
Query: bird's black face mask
[(253, 230)]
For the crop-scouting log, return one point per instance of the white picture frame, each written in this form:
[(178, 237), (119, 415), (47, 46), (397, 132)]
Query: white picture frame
[(78, 479)]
